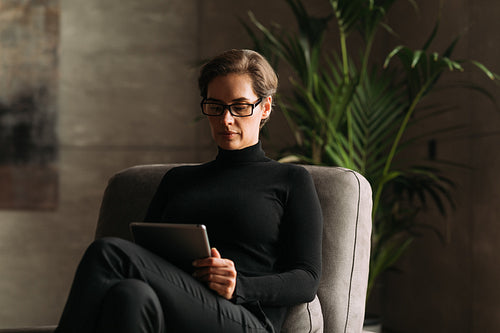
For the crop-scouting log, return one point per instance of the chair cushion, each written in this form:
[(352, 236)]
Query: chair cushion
[(306, 317)]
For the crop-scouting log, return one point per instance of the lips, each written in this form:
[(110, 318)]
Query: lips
[(228, 134)]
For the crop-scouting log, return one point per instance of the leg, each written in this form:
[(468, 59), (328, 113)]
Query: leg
[(187, 305), (131, 306)]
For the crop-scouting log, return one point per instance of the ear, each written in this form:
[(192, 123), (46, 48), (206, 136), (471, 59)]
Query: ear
[(267, 104)]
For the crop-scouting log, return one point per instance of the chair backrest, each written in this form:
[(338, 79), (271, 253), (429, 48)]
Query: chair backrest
[(346, 201)]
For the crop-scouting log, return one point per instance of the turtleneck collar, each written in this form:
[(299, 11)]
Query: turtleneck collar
[(249, 154)]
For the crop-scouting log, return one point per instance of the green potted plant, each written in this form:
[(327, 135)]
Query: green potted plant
[(346, 109)]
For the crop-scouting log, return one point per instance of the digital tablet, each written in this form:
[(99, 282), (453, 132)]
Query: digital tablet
[(180, 244)]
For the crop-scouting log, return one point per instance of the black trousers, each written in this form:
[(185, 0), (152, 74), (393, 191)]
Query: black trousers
[(121, 287)]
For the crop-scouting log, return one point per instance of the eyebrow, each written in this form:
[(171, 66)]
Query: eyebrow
[(236, 100)]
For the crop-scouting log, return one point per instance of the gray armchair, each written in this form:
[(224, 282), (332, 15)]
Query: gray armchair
[(346, 201)]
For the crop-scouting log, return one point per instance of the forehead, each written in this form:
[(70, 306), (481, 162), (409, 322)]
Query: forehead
[(231, 87)]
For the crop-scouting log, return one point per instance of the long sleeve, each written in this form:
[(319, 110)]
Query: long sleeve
[(300, 238)]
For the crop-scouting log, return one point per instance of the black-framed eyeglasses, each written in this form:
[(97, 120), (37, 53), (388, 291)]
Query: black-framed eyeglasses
[(236, 109)]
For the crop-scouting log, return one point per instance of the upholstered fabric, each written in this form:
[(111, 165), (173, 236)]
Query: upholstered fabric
[(306, 317), (346, 201)]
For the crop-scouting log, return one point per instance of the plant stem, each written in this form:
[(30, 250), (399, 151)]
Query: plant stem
[(345, 69), (345, 59), (395, 144), (366, 56)]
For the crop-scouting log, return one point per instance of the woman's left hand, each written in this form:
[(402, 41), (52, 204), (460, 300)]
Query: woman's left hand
[(219, 274)]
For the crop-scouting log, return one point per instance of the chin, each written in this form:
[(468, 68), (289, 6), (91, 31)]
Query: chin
[(229, 146)]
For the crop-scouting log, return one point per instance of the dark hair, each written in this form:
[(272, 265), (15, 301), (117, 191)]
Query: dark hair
[(251, 63)]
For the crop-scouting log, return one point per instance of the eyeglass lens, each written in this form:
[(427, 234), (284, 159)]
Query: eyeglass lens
[(238, 110)]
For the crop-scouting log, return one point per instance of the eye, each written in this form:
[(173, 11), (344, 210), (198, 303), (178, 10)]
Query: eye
[(240, 107), (214, 107)]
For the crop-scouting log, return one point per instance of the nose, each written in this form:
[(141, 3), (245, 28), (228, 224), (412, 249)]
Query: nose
[(227, 117)]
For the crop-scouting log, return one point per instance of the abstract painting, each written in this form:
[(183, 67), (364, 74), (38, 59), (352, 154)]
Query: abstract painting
[(29, 39)]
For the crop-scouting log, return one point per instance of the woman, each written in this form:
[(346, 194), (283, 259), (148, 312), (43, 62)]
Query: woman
[(263, 218)]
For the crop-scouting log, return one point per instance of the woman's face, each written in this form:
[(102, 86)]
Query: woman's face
[(231, 132)]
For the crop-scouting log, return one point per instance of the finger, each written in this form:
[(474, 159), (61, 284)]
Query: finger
[(213, 262), (210, 262), (219, 279), (215, 253), (225, 291), (212, 270), (224, 287)]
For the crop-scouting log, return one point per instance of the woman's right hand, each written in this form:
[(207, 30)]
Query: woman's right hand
[(218, 273)]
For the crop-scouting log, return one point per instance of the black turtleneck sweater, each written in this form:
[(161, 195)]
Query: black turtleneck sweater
[(263, 215)]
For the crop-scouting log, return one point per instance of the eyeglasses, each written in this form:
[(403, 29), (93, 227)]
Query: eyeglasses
[(236, 109)]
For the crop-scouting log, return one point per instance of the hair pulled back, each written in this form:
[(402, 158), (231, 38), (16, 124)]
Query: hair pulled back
[(251, 63)]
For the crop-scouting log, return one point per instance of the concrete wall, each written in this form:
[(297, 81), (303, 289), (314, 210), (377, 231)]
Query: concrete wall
[(127, 96)]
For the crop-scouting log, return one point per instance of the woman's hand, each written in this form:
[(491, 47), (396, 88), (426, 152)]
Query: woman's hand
[(219, 274)]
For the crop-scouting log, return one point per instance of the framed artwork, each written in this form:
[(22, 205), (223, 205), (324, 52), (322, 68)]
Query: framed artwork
[(29, 39)]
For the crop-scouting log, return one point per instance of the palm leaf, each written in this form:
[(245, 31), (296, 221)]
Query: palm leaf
[(341, 113)]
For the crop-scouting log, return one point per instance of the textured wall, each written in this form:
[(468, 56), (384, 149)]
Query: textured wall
[(127, 95)]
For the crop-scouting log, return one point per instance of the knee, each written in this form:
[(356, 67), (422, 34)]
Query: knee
[(133, 291), (131, 306), (105, 245), (103, 251), (107, 242)]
